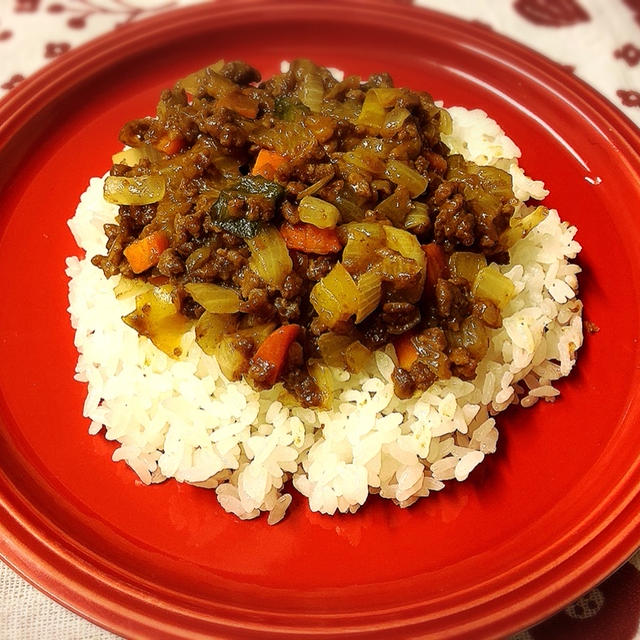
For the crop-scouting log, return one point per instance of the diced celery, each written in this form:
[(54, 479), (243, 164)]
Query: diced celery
[(369, 293), (491, 285)]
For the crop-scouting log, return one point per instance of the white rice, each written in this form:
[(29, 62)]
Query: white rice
[(184, 420)]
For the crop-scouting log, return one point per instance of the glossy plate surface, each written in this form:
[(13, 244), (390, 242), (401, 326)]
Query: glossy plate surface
[(553, 512)]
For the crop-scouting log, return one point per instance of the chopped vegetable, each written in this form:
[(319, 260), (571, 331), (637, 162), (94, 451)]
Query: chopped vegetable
[(144, 253), (369, 294), (246, 189), (272, 353), (267, 163), (332, 348), (157, 317), (406, 351), (395, 119), (417, 219), (231, 360), (402, 174), (491, 285), (335, 297), (466, 264), (522, 226), (318, 212), (407, 245), (270, 257), (396, 206), (323, 378), (240, 103), (436, 265), (211, 327), (131, 157), (310, 239), (356, 356), (136, 190), (373, 112), (213, 297), (170, 143)]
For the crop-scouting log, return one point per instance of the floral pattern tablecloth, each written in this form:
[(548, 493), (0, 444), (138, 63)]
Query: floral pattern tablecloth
[(598, 40)]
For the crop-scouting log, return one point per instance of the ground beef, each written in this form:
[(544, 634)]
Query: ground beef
[(238, 157)]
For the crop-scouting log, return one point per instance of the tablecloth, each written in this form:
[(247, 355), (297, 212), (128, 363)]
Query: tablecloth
[(598, 40)]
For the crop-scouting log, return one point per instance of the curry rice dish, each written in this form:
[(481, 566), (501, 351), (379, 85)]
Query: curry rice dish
[(315, 281)]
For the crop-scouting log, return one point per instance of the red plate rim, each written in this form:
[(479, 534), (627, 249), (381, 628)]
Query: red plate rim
[(59, 567)]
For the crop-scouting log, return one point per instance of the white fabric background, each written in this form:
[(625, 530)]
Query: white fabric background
[(589, 47)]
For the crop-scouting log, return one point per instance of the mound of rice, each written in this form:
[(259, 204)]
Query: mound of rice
[(184, 420)]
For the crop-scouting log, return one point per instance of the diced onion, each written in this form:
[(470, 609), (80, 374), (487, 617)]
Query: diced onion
[(522, 226), (395, 119), (191, 82), (466, 264), (317, 212), (387, 96), (396, 206), (214, 297), (356, 356), (407, 245), (232, 362), (136, 190), (132, 156), (322, 376), (404, 175), (332, 348), (335, 297), (365, 159), (491, 285), (270, 257), (373, 112), (312, 92), (446, 123), (156, 316), (211, 327), (417, 217)]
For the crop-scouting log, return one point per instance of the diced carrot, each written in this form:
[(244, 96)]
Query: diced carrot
[(405, 350), (241, 104), (274, 349), (170, 143), (436, 265), (310, 239), (145, 252), (267, 164)]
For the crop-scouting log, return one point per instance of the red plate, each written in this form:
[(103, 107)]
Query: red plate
[(552, 513)]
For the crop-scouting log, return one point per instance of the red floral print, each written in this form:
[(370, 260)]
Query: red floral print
[(634, 5), (26, 6), (629, 53), (630, 98), (13, 81), (83, 10), (54, 49), (552, 13)]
